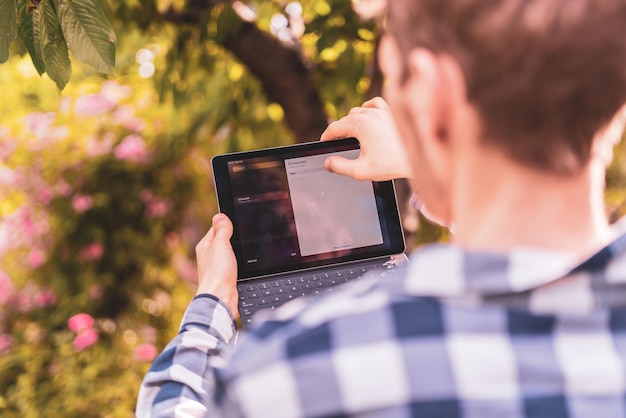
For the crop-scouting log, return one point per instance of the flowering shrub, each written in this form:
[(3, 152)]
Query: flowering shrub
[(94, 238)]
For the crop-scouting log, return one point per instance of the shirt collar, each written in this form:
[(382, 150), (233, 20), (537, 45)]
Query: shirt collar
[(446, 270)]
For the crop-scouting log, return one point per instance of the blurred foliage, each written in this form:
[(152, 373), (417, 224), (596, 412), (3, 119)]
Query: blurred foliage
[(49, 29), (95, 193)]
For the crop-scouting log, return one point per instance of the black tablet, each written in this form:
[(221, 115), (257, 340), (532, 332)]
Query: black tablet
[(290, 213)]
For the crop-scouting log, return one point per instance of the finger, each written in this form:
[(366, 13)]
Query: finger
[(338, 129), (223, 227), (340, 165), (209, 237), (356, 110), (375, 103)]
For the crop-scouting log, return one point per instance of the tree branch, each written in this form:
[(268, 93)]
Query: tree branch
[(193, 12), (285, 77)]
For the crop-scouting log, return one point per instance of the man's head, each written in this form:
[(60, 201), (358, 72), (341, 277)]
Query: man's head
[(542, 75)]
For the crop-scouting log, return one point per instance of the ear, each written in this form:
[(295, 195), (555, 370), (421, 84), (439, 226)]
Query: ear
[(428, 97), (429, 93)]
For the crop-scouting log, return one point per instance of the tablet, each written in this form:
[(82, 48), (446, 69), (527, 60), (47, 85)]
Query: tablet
[(289, 213)]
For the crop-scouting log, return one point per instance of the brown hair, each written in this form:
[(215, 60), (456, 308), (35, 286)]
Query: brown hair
[(545, 75)]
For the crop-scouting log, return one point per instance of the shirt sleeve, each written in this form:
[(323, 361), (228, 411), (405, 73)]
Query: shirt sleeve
[(182, 380)]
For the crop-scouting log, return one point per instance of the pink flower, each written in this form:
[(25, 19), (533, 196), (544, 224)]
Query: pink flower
[(146, 352), (7, 176), (100, 146), (95, 291), (6, 342), (155, 206), (114, 92), (63, 189), (125, 116), (91, 252), (132, 149), (24, 300), (159, 208), (172, 239), (45, 298), (80, 322), (85, 339), (93, 105), (82, 203), (134, 124), (27, 223), (39, 122), (146, 196), (45, 194), (36, 257), (7, 144), (7, 289), (64, 104), (21, 228)]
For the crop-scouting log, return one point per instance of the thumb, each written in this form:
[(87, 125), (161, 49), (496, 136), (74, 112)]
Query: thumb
[(223, 226), (341, 165)]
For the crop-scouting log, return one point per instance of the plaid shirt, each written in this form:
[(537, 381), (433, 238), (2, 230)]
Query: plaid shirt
[(459, 334)]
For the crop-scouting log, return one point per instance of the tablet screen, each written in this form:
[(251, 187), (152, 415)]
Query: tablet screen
[(290, 213)]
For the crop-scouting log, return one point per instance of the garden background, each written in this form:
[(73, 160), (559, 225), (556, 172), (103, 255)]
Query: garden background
[(105, 185)]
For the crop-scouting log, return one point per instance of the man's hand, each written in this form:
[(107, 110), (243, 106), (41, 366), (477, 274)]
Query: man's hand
[(217, 266), (382, 155)]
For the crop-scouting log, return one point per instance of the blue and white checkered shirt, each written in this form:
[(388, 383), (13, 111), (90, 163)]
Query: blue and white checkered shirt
[(460, 334)]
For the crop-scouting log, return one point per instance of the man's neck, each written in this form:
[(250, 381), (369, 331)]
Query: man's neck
[(500, 205)]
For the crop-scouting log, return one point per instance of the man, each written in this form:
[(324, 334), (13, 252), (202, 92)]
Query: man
[(506, 111)]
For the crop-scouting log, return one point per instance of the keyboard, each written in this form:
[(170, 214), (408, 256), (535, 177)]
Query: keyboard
[(271, 293)]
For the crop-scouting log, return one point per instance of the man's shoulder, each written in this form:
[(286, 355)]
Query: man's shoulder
[(364, 312)]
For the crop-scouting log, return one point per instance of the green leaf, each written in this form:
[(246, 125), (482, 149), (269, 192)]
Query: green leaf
[(8, 28), (52, 44), (29, 31), (88, 33)]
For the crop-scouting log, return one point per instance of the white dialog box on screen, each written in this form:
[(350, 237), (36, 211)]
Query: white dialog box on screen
[(332, 212)]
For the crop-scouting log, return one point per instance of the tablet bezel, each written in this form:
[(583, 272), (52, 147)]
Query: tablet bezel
[(393, 237)]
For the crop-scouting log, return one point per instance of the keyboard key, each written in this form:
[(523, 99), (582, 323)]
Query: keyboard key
[(266, 292), (254, 295), (264, 301), (264, 286), (302, 279), (247, 304), (277, 283)]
